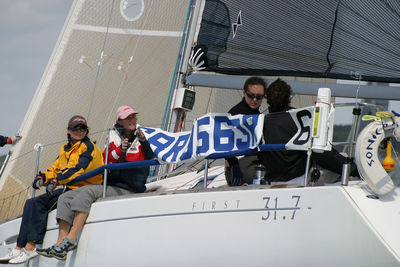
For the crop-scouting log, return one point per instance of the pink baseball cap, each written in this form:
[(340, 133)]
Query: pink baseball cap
[(124, 111)]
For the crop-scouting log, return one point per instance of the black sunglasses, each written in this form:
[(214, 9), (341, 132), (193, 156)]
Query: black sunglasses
[(79, 128), (252, 96)]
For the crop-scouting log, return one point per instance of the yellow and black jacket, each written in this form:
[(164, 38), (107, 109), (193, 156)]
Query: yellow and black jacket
[(76, 160)]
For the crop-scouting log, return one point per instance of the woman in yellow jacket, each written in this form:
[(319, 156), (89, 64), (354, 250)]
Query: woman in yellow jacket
[(78, 156)]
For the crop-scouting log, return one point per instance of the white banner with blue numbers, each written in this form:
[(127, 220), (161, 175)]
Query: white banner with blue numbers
[(211, 134)]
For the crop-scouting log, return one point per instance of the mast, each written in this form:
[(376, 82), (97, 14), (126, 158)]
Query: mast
[(175, 116)]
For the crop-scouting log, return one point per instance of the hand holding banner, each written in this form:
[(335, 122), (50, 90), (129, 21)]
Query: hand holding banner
[(211, 134)]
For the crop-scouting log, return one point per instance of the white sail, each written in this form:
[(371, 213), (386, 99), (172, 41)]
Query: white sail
[(106, 56)]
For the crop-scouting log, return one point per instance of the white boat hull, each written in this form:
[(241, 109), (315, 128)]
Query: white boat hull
[(314, 226)]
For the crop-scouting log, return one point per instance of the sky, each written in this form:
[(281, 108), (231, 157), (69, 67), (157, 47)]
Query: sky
[(28, 33), (29, 30)]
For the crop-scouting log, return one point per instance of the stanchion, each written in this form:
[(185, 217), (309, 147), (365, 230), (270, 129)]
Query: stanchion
[(106, 162), (205, 172), (38, 148), (347, 164), (309, 151), (5, 163)]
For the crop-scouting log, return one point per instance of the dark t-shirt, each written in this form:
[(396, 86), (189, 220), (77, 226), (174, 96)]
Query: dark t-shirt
[(279, 128), (281, 165), (243, 108)]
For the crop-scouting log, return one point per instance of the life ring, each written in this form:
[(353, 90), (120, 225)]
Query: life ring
[(366, 155)]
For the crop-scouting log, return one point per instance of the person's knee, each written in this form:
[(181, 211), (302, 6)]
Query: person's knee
[(83, 201), (62, 198), (91, 192)]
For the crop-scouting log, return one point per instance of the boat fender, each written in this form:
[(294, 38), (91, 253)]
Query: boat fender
[(366, 156)]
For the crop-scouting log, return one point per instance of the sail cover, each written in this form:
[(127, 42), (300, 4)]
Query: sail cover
[(309, 38)]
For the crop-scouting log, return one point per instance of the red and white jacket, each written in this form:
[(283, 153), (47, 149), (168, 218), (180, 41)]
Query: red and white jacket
[(135, 152)]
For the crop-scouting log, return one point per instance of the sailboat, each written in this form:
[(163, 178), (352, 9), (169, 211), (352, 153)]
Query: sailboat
[(143, 53)]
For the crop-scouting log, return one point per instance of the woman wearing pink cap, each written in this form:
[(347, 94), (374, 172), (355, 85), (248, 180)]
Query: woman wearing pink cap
[(128, 144), (125, 138)]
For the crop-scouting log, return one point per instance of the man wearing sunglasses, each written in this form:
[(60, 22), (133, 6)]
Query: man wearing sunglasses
[(253, 94)]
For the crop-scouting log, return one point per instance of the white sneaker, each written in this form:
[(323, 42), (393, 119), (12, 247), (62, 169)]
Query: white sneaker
[(12, 253), (25, 256)]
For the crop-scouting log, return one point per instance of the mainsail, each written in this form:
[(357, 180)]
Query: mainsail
[(328, 38), (109, 53)]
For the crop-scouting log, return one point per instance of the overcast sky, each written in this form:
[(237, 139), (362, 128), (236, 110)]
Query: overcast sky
[(28, 30)]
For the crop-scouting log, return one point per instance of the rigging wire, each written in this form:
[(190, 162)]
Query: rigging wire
[(133, 54), (347, 147), (209, 99), (99, 65), (359, 76)]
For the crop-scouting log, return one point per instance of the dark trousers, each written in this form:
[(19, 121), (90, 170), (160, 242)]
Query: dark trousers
[(34, 218)]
